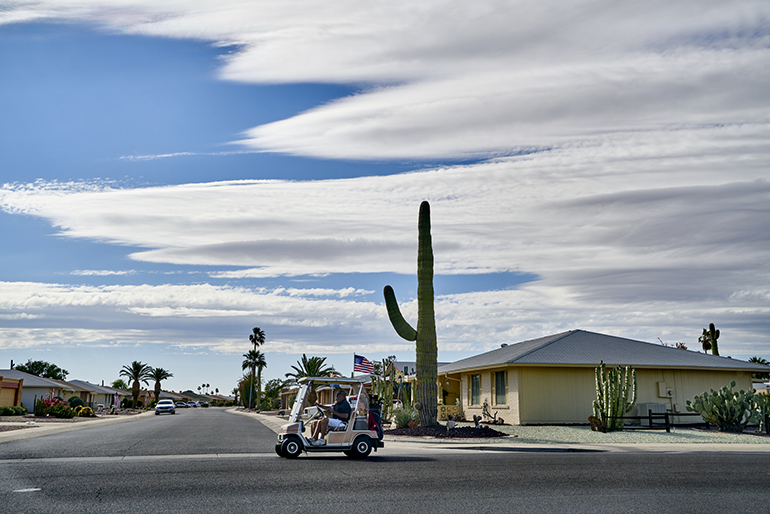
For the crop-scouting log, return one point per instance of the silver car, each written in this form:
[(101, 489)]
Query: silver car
[(165, 406)]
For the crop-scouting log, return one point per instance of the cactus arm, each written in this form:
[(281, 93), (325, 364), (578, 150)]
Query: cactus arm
[(403, 328), (709, 339)]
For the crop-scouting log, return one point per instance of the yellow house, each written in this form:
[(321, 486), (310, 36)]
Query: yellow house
[(551, 379), (10, 391)]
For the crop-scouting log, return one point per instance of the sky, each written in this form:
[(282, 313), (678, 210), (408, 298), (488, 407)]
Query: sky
[(175, 173)]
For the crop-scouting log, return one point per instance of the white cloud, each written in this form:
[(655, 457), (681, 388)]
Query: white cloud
[(447, 78), (642, 234), (631, 178)]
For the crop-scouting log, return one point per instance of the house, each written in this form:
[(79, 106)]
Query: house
[(10, 391), (551, 379), (35, 387), (100, 394)]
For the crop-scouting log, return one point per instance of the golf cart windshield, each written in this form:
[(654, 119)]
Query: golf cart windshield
[(296, 410)]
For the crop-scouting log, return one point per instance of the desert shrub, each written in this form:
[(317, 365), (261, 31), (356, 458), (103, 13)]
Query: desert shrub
[(75, 401), (40, 407), (12, 411), (407, 413), (62, 410), (729, 411)]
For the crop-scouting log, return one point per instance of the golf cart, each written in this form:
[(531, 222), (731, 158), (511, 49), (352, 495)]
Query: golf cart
[(356, 438)]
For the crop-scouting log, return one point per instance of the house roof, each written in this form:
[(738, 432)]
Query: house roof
[(409, 367), (580, 347), (30, 381), (99, 389)]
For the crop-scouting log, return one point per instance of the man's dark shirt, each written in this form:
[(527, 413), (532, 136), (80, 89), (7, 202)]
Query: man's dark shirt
[(343, 407)]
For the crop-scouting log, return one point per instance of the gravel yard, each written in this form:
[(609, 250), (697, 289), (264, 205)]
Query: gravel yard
[(583, 435)]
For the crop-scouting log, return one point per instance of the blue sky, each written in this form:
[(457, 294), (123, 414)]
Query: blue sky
[(176, 174)]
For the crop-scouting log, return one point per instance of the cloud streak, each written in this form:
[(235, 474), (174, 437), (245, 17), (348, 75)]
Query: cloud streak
[(641, 234), (621, 153)]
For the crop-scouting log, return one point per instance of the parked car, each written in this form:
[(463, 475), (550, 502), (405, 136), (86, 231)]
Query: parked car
[(182, 405), (204, 404), (165, 406), (193, 404)]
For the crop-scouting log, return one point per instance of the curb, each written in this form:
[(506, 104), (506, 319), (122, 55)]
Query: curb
[(50, 428)]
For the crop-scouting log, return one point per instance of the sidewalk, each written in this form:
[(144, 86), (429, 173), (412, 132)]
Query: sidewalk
[(685, 441), (44, 428)]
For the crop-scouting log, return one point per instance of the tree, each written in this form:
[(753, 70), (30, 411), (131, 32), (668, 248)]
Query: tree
[(257, 338), (424, 336), (709, 339), (120, 384), (381, 367), (255, 361), (312, 367), (136, 372), (43, 369), (158, 375), (273, 390), (760, 360)]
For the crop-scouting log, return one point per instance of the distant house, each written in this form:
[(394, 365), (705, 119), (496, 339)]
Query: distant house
[(10, 391), (100, 394), (37, 387), (551, 379)]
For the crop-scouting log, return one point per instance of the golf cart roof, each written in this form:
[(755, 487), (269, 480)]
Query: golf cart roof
[(332, 380)]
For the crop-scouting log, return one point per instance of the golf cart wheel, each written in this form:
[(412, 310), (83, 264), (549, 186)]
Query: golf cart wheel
[(361, 448), (291, 448), (278, 450)]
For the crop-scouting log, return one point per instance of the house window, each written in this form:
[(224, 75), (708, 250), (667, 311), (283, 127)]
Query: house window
[(500, 384), (474, 390)]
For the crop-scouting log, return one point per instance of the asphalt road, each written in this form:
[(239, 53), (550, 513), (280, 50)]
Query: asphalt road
[(202, 461)]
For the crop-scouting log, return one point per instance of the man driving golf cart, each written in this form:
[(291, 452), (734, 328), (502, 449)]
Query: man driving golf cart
[(358, 431), (337, 418)]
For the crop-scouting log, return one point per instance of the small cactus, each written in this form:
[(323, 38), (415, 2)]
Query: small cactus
[(615, 396), (709, 339), (729, 411)]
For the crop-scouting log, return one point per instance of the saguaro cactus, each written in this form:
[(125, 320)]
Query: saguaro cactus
[(425, 335), (709, 339), (615, 395)]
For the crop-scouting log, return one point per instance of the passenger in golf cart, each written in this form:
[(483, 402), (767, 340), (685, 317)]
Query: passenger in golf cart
[(337, 418), (359, 431)]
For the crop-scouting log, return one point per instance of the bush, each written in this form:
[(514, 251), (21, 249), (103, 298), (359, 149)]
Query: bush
[(62, 411), (407, 413), (75, 401), (13, 411), (55, 407), (729, 411), (86, 412)]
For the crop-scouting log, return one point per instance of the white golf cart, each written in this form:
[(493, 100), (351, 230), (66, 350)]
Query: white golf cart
[(357, 438)]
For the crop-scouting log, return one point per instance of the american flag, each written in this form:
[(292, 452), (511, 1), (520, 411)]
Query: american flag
[(362, 364)]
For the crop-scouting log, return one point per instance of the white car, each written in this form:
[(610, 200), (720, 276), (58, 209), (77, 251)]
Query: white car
[(165, 406)]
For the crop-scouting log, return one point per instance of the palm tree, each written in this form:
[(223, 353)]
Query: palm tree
[(312, 367), (159, 374), (255, 361), (136, 372), (120, 384), (760, 360), (257, 338)]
